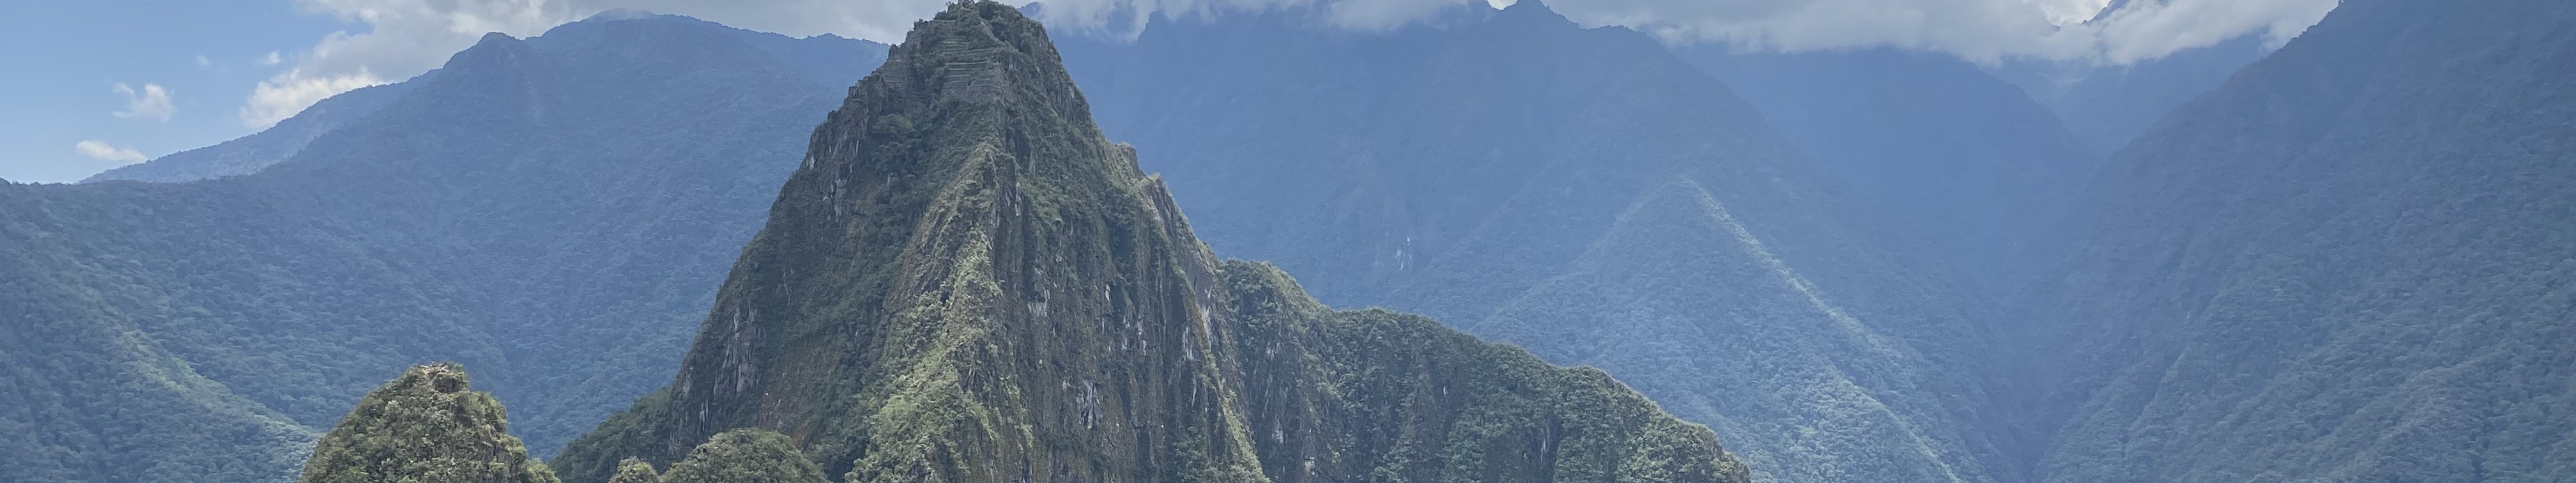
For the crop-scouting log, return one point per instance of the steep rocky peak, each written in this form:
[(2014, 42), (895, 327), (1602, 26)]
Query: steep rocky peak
[(980, 52), (983, 83)]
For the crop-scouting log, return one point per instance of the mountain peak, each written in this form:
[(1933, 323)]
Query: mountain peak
[(1531, 11), (495, 49), (490, 38), (977, 54), (636, 15), (980, 51)]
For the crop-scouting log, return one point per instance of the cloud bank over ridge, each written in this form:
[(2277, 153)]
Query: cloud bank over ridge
[(408, 37)]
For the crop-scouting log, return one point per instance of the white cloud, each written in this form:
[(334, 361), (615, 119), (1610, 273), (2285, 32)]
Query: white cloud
[(152, 103), (286, 94), (1982, 30), (202, 61), (101, 150), (407, 37), (271, 59), (2151, 29)]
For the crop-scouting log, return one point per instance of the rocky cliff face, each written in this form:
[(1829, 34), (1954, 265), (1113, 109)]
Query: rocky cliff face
[(966, 282)]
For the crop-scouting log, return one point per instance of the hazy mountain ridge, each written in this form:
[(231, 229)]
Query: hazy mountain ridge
[(249, 154), (557, 242), (2348, 263), (1966, 170), (1458, 167), (2108, 106)]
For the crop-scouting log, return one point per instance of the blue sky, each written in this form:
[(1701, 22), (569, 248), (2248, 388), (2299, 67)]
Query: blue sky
[(97, 84), (66, 59)]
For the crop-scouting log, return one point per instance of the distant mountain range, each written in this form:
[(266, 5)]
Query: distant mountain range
[(2107, 106), (255, 152)]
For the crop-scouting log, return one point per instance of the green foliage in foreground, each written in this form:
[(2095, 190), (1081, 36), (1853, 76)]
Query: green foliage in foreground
[(737, 456), (635, 471), (428, 427)]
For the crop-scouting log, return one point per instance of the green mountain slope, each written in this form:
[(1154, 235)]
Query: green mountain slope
[(966, 282), (2350, 263), (67, 352), (742, 455)]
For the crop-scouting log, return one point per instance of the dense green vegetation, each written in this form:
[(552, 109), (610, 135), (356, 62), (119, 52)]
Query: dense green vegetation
[(428, 426), (737, 456), (208, 330), (85, 395), (967, 283), (637, 471)]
